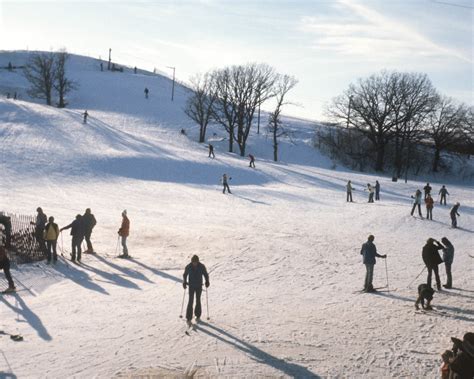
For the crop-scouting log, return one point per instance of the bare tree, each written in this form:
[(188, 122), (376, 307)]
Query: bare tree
[(61, 83), (445, 126), (199, 105), (39, 71), (283, 85)]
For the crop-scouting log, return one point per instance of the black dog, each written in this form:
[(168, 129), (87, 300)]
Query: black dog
[(425, 292)]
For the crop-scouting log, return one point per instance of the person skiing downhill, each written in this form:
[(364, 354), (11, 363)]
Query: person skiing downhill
[(211, 151), (252, 161), (427, 190), (77, 233), (5, 266), (369, 252), (417, 203), (124, 232), (443, 192), (453, 213), (85, 114), (225, 183), (432, 259), (429, 207), (377, 190), (349, 190), (89, 223), (51, 234), (192, 277)]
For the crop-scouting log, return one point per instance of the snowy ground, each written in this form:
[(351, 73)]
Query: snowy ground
[(283, 250)]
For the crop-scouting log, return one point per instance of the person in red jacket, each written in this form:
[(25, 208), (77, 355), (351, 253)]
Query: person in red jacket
[(123, 232), (429, 207)]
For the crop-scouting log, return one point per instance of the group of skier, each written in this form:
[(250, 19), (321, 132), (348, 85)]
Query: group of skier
[(371, 189)]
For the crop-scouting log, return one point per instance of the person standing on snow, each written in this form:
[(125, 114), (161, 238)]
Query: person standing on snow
[(427, 190), (429, 207), (417, 202), (252, 161), (443, 192), (225, 183), (369, 252), (51, 234), (89, 223), (377, 190), (5, 266), (77, 233), (124, 232), (349, 191), (448, 257), (146, 93), (371, 193), (454, 213), (85, 115), (211, 151), (40, 223), (192, 277), (431, 260)]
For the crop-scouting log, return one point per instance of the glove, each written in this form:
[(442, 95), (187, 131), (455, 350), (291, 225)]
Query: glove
[(207, 284), (184, 285)]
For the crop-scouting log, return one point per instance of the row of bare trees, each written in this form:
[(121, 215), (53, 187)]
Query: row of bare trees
[(402, 110), (47, 72), (232, 95)]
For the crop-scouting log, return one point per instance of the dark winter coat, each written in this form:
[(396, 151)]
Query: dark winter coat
[(431, 256), (448, 254), (369, 252), (427, 189), (454, 211), (443, 191), (77, 228), (4, 262), (194, 275), (89, 222)]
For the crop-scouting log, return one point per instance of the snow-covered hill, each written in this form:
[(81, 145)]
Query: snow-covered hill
[(283, 249)]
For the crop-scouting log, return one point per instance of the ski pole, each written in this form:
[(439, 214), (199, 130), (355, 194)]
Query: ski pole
[(417, 276), (207, 302), (386, 274), (117, 247), (182, 304)]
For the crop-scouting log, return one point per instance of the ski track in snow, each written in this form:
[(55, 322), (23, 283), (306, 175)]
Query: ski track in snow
[(282, 250)]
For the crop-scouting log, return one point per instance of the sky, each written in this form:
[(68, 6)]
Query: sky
[(325, 44)]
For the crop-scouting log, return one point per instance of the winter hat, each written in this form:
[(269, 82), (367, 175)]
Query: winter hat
[(51, 219), (88, 210), (371, 237), (124, 212), (195, 258), (430, 241), (39, 209)]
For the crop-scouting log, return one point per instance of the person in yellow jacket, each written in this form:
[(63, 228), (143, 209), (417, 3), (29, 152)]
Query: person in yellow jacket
[(51, 234)]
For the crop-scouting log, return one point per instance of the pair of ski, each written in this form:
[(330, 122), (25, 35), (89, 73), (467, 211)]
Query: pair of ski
[(432, 311), (192, 326), (377, 289)]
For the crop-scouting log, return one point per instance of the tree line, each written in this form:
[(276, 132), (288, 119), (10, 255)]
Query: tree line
[(231, 97), (384, 119)]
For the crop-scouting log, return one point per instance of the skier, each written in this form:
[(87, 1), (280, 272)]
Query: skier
[(135, 70), (51, 234), (432, 259), (89, 223), (5, 265), (417, 202), (448, 257), (77, 233), (371, 193), (252, 161), (211, 151), (85, 114), (443, 192), (349, 191), (146, 92), (124, 232), (101, 66), (192, 276), (40, 223), (225, 183), (429, 207), (7, 227), (377, 190), (427, 190), (454, 213), (369, 252)]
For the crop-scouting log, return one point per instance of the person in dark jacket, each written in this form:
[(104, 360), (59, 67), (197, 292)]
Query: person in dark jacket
[(252, 161), (51, 234), (369, 252), (89, 223), (349, 190), (85, 115), (453, 213), (40, 223), (448, 257), (192, 277), (427, 190), (432, 259), (211, 151), (77, 232), (7, 225), (459, 361), (443, 192), (225, 183), (146, 93), (377, 190), (5, 266)]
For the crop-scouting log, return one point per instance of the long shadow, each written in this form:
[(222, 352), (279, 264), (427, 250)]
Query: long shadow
[(157, 272), (290, 369), (250, 200), (116, 279), (129, 272), (30, 317), (81, 278)]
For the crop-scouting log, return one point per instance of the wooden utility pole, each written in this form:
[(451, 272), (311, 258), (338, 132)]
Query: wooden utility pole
[(110, 59), (172, 89)]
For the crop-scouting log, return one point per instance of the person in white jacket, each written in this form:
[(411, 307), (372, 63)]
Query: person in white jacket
[(417, 203)]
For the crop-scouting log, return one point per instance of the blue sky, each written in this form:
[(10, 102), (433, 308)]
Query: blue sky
[(326, 44)]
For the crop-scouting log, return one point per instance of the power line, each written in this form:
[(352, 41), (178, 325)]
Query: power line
[(453, 4)]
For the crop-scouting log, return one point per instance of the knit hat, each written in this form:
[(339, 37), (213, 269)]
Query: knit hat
[(124, 212), (195, 258)]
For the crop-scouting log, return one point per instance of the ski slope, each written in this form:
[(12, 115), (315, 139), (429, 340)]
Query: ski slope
[(282, 250)]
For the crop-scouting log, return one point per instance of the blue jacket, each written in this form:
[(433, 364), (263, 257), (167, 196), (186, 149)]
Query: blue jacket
[(448, 254), (194, 275), (369, 252)]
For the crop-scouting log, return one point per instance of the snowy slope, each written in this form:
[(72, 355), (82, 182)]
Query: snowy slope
[(283, 250)]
